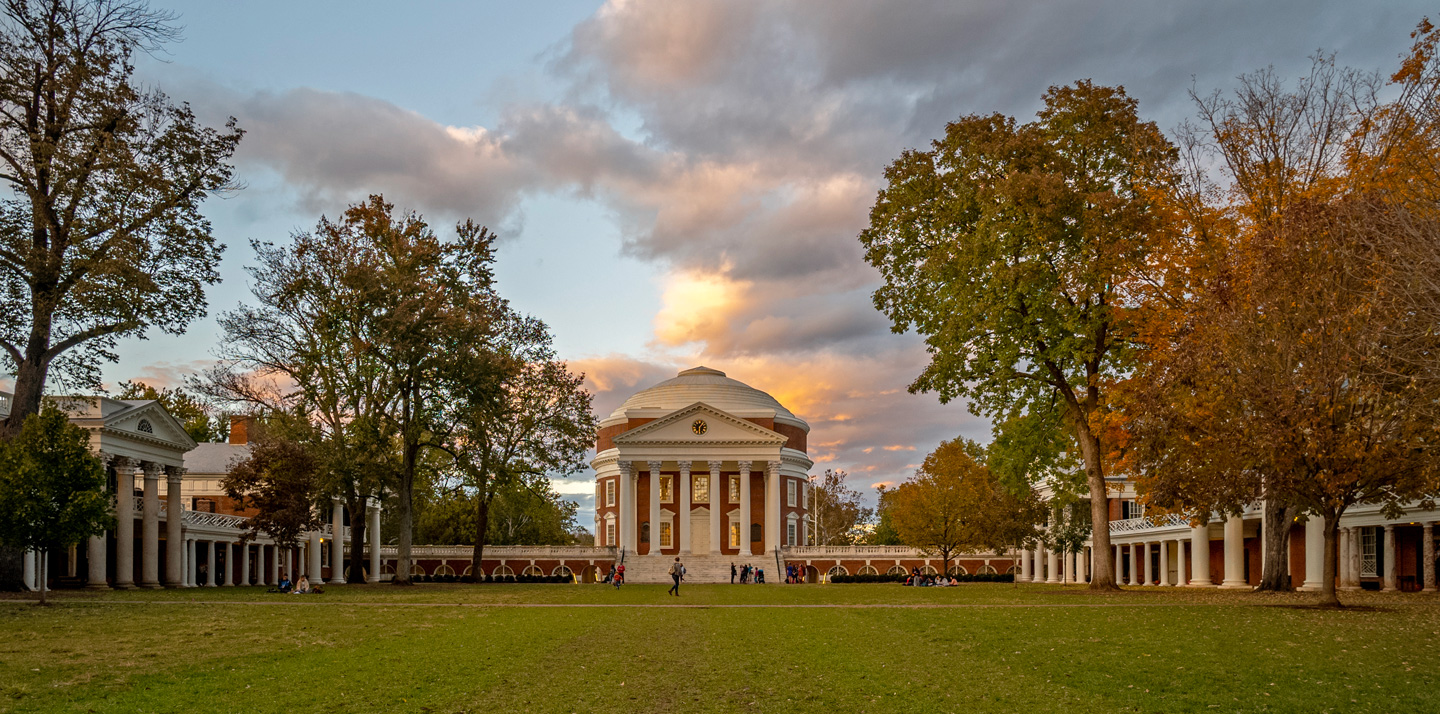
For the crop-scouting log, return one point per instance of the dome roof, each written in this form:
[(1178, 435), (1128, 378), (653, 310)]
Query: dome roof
[(703, 384)]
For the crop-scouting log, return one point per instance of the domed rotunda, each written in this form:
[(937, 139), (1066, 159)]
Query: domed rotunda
[(701, 465)]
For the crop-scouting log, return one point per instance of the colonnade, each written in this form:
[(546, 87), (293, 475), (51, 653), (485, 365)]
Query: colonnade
[(719, 505)]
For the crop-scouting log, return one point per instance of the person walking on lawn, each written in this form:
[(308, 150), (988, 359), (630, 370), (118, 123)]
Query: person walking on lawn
[(676, 570)]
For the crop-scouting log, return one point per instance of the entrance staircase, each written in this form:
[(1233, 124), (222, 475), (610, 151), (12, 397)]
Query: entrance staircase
[(706, 568)]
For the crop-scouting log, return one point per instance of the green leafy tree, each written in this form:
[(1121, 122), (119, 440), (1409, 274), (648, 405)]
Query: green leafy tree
[(884, 531), (102, 236), (839, 517), (201, 422), (1010, 248), (52, 489), (281, 479)]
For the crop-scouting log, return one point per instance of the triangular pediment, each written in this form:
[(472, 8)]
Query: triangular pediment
[(150, 422), (700, 423)]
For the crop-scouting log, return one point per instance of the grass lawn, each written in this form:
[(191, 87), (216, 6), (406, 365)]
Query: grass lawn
[(835, 648)]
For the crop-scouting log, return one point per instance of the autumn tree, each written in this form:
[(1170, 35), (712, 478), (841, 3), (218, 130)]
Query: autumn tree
[(884, 531), (836, 509), (52, 489), (102, 236), (281, 479), (955, 504), (513, 417), (1010, 247)]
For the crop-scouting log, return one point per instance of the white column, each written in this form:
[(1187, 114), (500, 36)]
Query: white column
[(1052, 574), (125, 523), (1234, 554), (1135, 564), (209, 563), (1145, 560), (1391, 584), (373, 510), (1164, 563), (717, 507), (174, 519), (1427, 554), (1355, 558), (95, 562), (1200, 556), (1314, 554), (1182, 573), (150, 529), (1069, 567), (682, 494), (28, 573), (654, 508), (1025, 566), (629, 519), (1082, 565), (1039, 572), (192, 577), (229, 564), (317, 571), (245, 564), (1342, 548), (772, 506), (747, 516), (275, 564), (337, 540), (1119, 560)]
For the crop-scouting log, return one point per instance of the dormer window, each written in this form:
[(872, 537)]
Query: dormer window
[(144, 426)]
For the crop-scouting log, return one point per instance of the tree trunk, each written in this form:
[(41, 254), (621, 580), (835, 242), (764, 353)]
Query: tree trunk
[(357, 543), (1276, 521), (407, 515), (482, 525), (1328, 596), (1103, 569), (29, 390)]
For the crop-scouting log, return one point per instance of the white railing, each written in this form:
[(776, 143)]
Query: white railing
[(862, 552), (203, 519), (1144, 523), (502, 552), (4, 404)]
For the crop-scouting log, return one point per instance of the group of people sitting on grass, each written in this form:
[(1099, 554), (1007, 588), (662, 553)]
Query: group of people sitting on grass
[(923, 580), (303, 587), (748, 575)]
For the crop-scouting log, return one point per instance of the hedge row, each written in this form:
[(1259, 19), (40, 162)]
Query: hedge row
[(900, 578), (491, 579)]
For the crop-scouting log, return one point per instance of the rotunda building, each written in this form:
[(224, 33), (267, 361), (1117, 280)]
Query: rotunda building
[(701, 465)]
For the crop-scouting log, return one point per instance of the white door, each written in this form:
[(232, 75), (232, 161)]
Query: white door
[(700, 531)]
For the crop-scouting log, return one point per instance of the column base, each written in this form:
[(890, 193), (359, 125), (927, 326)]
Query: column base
[(1349, 588), (1389, 590), (1309, 588), (124, 586), (97, 586), (1430, 589), (151, 586), (1200, 585), (1235, 585)]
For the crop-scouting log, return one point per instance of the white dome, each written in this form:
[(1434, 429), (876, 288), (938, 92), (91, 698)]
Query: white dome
[(703, 384)]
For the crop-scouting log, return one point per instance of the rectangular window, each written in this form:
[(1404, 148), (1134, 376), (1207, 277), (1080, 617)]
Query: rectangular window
[(790, 533), (734, 489), (664, 534), (1369, 564), (610, 492), (790, 495), (701, 491), (667, 492), (609, 532), (734, 534)]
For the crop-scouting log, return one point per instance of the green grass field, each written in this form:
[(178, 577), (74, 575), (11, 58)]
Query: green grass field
[(774, 648)]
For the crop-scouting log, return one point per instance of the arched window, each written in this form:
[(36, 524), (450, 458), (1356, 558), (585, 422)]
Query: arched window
[(144, 426), (988, 569), (958, 569), (501, 571), (468, 570), (415, 569), (532, 570), (562, 570), (929, 570), (836, 570), (1014, 569), (897, 570), (867, 570), (444, 570)]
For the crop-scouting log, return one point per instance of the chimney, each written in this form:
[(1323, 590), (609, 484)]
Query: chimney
[(240, 429)]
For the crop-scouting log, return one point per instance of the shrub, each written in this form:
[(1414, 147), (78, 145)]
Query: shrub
[(899, 578)]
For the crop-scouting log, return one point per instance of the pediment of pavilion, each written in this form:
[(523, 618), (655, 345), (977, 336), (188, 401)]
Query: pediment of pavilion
[(720, 429)]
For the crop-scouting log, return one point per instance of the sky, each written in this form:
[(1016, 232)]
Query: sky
[(682, 183)]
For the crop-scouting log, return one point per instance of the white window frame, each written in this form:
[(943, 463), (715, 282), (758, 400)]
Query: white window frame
[(610, 531), (666, 534), (734, 534), (790, 494), (735, 488), (667, 489), (609, 492), (700, 489), (790, 532), (1369, 566)]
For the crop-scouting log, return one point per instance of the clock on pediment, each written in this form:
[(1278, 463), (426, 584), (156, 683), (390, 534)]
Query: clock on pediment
[(699, 427)]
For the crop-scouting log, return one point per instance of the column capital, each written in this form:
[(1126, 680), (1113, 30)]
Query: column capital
[(624, 467), (715, 466), (152, 470), (744, 466), (654, 465), (123, 462), (772, 467), (173, 474), (684, 466)]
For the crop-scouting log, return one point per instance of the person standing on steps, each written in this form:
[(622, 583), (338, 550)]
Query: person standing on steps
[(732, 573), (676, 570)]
